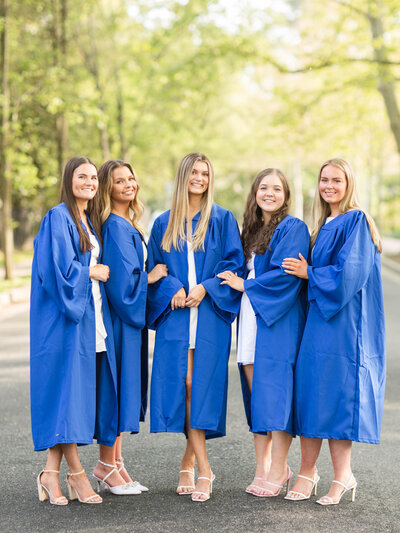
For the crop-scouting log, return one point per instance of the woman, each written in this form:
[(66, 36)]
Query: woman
[(70, 323), (340, 373), (192, 315), (271, 322), (124, 251)]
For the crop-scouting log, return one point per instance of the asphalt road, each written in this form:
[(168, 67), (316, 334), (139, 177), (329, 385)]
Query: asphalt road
[(154, 460)]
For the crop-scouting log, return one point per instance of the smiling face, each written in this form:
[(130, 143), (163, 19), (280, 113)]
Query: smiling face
[(124, 187), (199, 178), (84, 182), (332, 187), (270, 195)]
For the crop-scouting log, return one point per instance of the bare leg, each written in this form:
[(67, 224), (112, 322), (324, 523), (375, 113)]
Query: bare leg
[(310, 449), (262, 443), (120, 461), (80, 483), (196, 437), (341, 460), (51, 479), (107, 455), (188, 459), (279, 470)]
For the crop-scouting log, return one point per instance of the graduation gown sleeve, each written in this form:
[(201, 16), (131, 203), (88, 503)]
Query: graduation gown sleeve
[(159, 294), (126, 287), (274, 292), (333, 286), (225, 301), (64, 278)]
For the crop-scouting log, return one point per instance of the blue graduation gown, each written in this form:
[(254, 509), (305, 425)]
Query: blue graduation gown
[(63, 335), (216, 312), (278, 300), (126, 289), (340, 372)]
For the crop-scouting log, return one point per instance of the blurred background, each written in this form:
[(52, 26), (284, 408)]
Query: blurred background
[(252, 83)]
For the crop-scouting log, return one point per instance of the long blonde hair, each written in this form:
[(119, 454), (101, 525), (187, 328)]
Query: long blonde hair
[(106, 183), (175, 233), (350, 202)]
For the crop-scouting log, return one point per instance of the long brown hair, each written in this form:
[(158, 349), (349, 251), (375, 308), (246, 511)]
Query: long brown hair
[(175, 233), (256, 235), (105, 189), (350, 202), (68, 198)]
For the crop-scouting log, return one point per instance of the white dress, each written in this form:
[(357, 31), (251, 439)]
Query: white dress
[(192, 283), (247, 333), (101, 333)]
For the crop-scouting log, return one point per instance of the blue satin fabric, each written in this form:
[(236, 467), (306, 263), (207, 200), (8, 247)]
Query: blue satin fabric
[(126, 289), (340, 372), (218, 309), (278, 300), (62, 334)]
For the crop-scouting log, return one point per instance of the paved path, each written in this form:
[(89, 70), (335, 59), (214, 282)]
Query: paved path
[(155, 461)]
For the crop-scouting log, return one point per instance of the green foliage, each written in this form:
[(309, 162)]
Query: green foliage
[(288, 84)]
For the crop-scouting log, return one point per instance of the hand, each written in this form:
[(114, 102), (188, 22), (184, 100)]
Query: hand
[(178, 299), (195, 296), (232, 280), (99, 272), (296, 267), (158, 272)]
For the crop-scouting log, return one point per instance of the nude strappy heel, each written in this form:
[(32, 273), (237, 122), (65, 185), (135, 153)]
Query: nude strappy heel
[(190, 487), (45, 493), (119, 490), (74, 494), (206, 494), (141, 487), (346, 487), (276, 488), (302, 496)]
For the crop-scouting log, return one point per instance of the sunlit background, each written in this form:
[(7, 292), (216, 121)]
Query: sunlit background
[(253, 84)]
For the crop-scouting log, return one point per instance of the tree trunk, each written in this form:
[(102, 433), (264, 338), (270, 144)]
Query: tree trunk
[(5, 177), (386, 83)]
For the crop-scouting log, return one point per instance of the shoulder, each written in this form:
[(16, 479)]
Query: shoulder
[(116, 223), (292, 222), (352, 218), (220, 213), (162, 219), (58, 216)]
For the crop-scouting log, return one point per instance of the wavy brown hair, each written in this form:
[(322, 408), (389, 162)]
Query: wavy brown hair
[(256, 235), (106, 183), (68, 198)]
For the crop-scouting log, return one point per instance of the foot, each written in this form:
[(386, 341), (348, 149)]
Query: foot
[(203, 487), (126, 477), (336, 491), (302, 487), (260, 475), (51, 481), (114, 480), (83, 487), (186, 480), (272, 486)]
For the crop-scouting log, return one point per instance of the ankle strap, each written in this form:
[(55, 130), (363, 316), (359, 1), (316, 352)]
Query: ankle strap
[(55, 471), (75, 473), (119, 461), (106, 464), (307, 478)]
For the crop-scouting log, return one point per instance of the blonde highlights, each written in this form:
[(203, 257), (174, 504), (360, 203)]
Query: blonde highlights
[(321, 209), (175, 232), (106, 183)]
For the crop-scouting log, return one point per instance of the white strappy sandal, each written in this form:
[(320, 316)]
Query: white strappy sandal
[(327, 500), (206, 494), (119, 490), (190, 487), (141, 487), (45, 493), (74, 494), (313, 490)]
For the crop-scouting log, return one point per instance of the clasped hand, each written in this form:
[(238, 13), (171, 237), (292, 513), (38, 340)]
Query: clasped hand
[(232, 279), (296, 267), (193, 299)]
